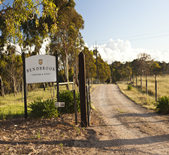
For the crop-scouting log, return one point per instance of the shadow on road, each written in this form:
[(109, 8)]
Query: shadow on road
[(93, 142), (150, 114)]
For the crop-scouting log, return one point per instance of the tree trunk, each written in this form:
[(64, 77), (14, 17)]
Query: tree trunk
[(14, 85), (1, 87), (141, 82), (75, 76), (67, 71)]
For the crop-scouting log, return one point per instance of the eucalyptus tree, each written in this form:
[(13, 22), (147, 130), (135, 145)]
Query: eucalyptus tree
[(28, 22), (104, 72), (116, 71), (11, 69), (67, 39), (144, 66), (155, 68), (90, 63), (135, 68), (23, 23), (20, 21)]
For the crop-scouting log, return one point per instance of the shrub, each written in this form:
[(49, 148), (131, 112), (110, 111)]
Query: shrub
[(150, 92), (43, 109), (129, 87), (67, 97), (163, 105)]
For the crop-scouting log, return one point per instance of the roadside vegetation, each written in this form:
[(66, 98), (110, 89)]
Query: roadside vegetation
[(137, 96), (13, 105), (148, 99), (147, 80)]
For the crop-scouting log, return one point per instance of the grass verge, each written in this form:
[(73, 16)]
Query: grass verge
[(137, 96), (13, 105)]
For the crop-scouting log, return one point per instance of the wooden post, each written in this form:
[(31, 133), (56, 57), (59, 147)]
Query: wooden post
[(88, 106), (89, 92), (57, 80), (75, 106), (25, 86), (82, 82), (136, 80), (155, 88), (141, 82)]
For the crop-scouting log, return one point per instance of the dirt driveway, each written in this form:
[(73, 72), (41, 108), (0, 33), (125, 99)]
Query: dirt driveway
[(119, 126), (129, 128)]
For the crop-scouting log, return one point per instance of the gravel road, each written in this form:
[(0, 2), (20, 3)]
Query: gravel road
[(128, 128)]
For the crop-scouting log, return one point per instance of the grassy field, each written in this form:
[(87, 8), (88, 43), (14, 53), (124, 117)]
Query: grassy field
[(13, 105), (140, 97)]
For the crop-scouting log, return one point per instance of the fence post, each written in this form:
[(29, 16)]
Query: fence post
[(141, 82), (82, 82), (88, 105), (155, 88), (89, 92), (75, 106)]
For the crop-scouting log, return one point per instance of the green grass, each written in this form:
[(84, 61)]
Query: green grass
[(13, 105), (139, 96)]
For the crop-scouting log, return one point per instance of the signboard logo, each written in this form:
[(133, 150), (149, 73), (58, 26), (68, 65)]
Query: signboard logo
[(40, 61)]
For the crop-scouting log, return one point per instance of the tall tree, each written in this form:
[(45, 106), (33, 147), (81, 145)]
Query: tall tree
[(90, 63), (68, 37), (104, 72), (143, 65), (20, 21), (11, 69)]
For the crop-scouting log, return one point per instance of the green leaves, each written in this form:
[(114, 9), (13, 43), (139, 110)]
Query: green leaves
[(163, 105), (155, 67), (43, 109)]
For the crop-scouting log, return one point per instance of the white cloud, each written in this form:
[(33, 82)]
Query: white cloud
[(121, 50), (86, 45)]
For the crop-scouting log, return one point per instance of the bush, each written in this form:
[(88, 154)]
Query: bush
[(129, 87), (163, 105), (43, 109), (67, 97)]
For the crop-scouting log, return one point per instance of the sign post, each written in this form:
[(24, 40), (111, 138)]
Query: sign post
[(57, 80), (25, 86)]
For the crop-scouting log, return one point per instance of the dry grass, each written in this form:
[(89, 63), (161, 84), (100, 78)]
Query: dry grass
[(139, 96), (135, 95), (162, 85)]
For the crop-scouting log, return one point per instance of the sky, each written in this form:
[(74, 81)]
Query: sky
[(122, 29)]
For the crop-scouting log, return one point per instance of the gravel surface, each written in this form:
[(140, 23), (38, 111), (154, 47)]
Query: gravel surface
[(129, 129)]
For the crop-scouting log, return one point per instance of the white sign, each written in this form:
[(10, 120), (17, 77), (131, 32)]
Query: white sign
[(60, 104), (40, 68)]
